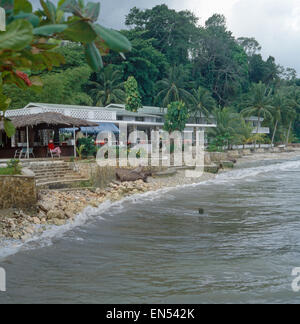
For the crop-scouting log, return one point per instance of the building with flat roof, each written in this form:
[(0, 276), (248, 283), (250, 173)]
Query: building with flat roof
[(146, 120), (256, 123)]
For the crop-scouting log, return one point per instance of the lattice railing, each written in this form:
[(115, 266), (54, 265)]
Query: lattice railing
[(84, 113)]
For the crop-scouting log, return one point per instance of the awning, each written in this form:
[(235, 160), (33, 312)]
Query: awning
[(103, 127)]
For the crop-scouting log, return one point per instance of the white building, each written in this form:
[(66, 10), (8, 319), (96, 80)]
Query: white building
[(110, 117), (146, 119), (253, 120)]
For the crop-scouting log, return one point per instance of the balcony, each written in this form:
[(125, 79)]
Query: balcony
[(261, 130)]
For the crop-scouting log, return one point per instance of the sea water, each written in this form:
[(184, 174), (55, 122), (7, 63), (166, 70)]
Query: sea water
[(157, 248)]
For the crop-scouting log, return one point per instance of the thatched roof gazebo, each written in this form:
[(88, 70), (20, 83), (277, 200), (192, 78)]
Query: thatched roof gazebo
[(48, 120)]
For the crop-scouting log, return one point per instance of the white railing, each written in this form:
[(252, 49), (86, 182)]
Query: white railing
[(250, 146), (261, 130), (86, 113)]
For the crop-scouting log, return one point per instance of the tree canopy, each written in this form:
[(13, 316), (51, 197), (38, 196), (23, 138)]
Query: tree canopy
[(172, 57)]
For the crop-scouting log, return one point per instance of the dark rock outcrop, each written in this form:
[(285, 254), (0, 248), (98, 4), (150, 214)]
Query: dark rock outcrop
[(132, 175)]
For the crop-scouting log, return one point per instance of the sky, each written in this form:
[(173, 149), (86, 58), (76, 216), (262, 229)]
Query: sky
[(274, 23)]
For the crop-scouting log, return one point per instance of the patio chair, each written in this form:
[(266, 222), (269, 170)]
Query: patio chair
[(52, 154), (25, 153), (19, 150), (17, 153)]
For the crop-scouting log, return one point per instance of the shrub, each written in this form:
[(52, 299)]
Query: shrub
[(89, 146), (133, 98), (80, 150), (213, 148), (177, 117), (15, 166)]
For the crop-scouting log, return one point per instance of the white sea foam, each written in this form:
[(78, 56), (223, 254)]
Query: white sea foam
[(10, 247), (255, 171)]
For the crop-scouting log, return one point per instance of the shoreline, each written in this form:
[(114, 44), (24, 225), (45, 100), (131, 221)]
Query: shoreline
[(60, 207)]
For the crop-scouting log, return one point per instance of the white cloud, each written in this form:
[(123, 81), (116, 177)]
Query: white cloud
[(274, 23), (205, 9)]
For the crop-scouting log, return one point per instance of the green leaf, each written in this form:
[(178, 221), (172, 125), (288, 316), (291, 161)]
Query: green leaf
[(17, 36), (53, 59), (12, 78), (22, 6), (93, 57), (33, 19), (81, 4), (60, 3), (92, 11), (52, 10), (72, 6), (45, 8), (4, 102), (8, 5), (9, 128), (114, 40), (49, 30), (47, 46), (102, 47), (60, 16), (80, 31), (49, 10)]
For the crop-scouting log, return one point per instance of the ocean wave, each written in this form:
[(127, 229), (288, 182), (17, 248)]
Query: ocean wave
[(251, 172)]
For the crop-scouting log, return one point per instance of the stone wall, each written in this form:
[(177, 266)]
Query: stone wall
[(17, 191), (99, 176), (86, 169), (217, 157), (102, 176)]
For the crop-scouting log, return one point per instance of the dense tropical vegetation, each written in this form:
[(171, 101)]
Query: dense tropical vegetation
[(27, 46), (173, 59)]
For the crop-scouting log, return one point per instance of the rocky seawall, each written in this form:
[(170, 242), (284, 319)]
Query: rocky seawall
[(57, 207)]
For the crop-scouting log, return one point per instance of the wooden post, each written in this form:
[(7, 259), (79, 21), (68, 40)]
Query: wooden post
[(74, 141), (27, 136), (2, 19)]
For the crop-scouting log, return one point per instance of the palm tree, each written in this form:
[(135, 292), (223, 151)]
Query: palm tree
[(226, 120), (173, 87), (203, 103), (291, 117), (107, 88), (243, 132), (291, 114), (281, 105), (259, 104)]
